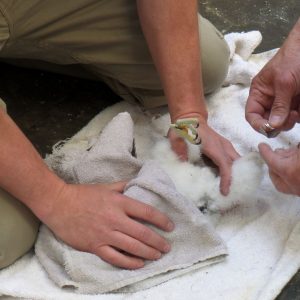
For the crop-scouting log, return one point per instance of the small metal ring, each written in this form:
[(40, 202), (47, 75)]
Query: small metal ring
[(270, 131), (268, 126)]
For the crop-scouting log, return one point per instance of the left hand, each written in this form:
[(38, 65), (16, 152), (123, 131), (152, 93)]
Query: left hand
[(215, 146), (284, 168), (274, 96)]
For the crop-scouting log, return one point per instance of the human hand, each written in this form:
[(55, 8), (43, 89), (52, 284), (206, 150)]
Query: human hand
[(213, 145), (275, 92), (99, 219), (284, 168)]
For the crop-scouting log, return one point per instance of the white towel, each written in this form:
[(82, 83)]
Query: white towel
[(263, 239)]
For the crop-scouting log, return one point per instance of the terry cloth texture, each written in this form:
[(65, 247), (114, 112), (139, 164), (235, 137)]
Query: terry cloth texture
[(194, 242), (263, 239), (110, 159)]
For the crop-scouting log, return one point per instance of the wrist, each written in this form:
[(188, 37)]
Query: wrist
[(201, 116), (191, 105), (60, 205), (43, 198)]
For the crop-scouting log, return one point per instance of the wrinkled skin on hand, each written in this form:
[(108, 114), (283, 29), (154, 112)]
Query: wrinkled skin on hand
[(284, 168), (275, 97), (99, 219), (213, 145), (275, 91)]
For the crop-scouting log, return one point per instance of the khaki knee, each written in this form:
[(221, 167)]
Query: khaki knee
[(2, 104), (215, 56), (126, 80), (18, 229)]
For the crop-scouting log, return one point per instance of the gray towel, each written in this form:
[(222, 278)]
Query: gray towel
[(194, 242), (110, 159)]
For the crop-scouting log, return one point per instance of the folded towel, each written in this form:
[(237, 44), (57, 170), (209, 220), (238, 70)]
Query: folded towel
[(194, 241)]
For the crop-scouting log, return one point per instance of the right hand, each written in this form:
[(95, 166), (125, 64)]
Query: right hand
[(213, 145), (99, 219), (275, 92)]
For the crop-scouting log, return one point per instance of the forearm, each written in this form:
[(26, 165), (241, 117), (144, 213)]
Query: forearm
[(23, 172), (172, 32)]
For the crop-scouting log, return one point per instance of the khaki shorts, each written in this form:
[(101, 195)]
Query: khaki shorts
[(18, 226), (102, 38), (99, 39)]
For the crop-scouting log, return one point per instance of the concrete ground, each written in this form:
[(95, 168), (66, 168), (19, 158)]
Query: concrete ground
[(50, 107)]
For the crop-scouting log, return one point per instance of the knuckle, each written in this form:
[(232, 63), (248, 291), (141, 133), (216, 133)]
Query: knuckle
[(112, 218), (108, 256), (280, 106), (260, 81), (97, 249), (153, 254), (255, 81), (144, 234), (149, 212), (226, 164), (286, 81), (111, 258), (133, 247)]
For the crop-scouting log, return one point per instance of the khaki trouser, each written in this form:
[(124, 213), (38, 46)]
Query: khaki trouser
[(18, 226), (99, 39)]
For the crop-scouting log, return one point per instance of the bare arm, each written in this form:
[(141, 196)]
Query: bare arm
[(172, 32), (23, 172)]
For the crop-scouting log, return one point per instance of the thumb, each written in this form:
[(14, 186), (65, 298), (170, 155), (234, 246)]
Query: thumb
[(266, 152), (271, 158), (280, 110)]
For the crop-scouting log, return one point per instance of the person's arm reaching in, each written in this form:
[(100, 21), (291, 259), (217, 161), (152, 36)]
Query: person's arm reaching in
[(274, 99), (93, 218), (172, 32)]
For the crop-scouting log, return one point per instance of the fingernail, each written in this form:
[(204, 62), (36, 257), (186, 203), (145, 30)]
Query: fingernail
[(157, 255), (167, 248), (275, 121), (224, 191), (181, 158), (140, 264), (170, 226)]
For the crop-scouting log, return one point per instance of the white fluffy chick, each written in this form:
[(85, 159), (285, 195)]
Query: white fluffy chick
[(200, 184)]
